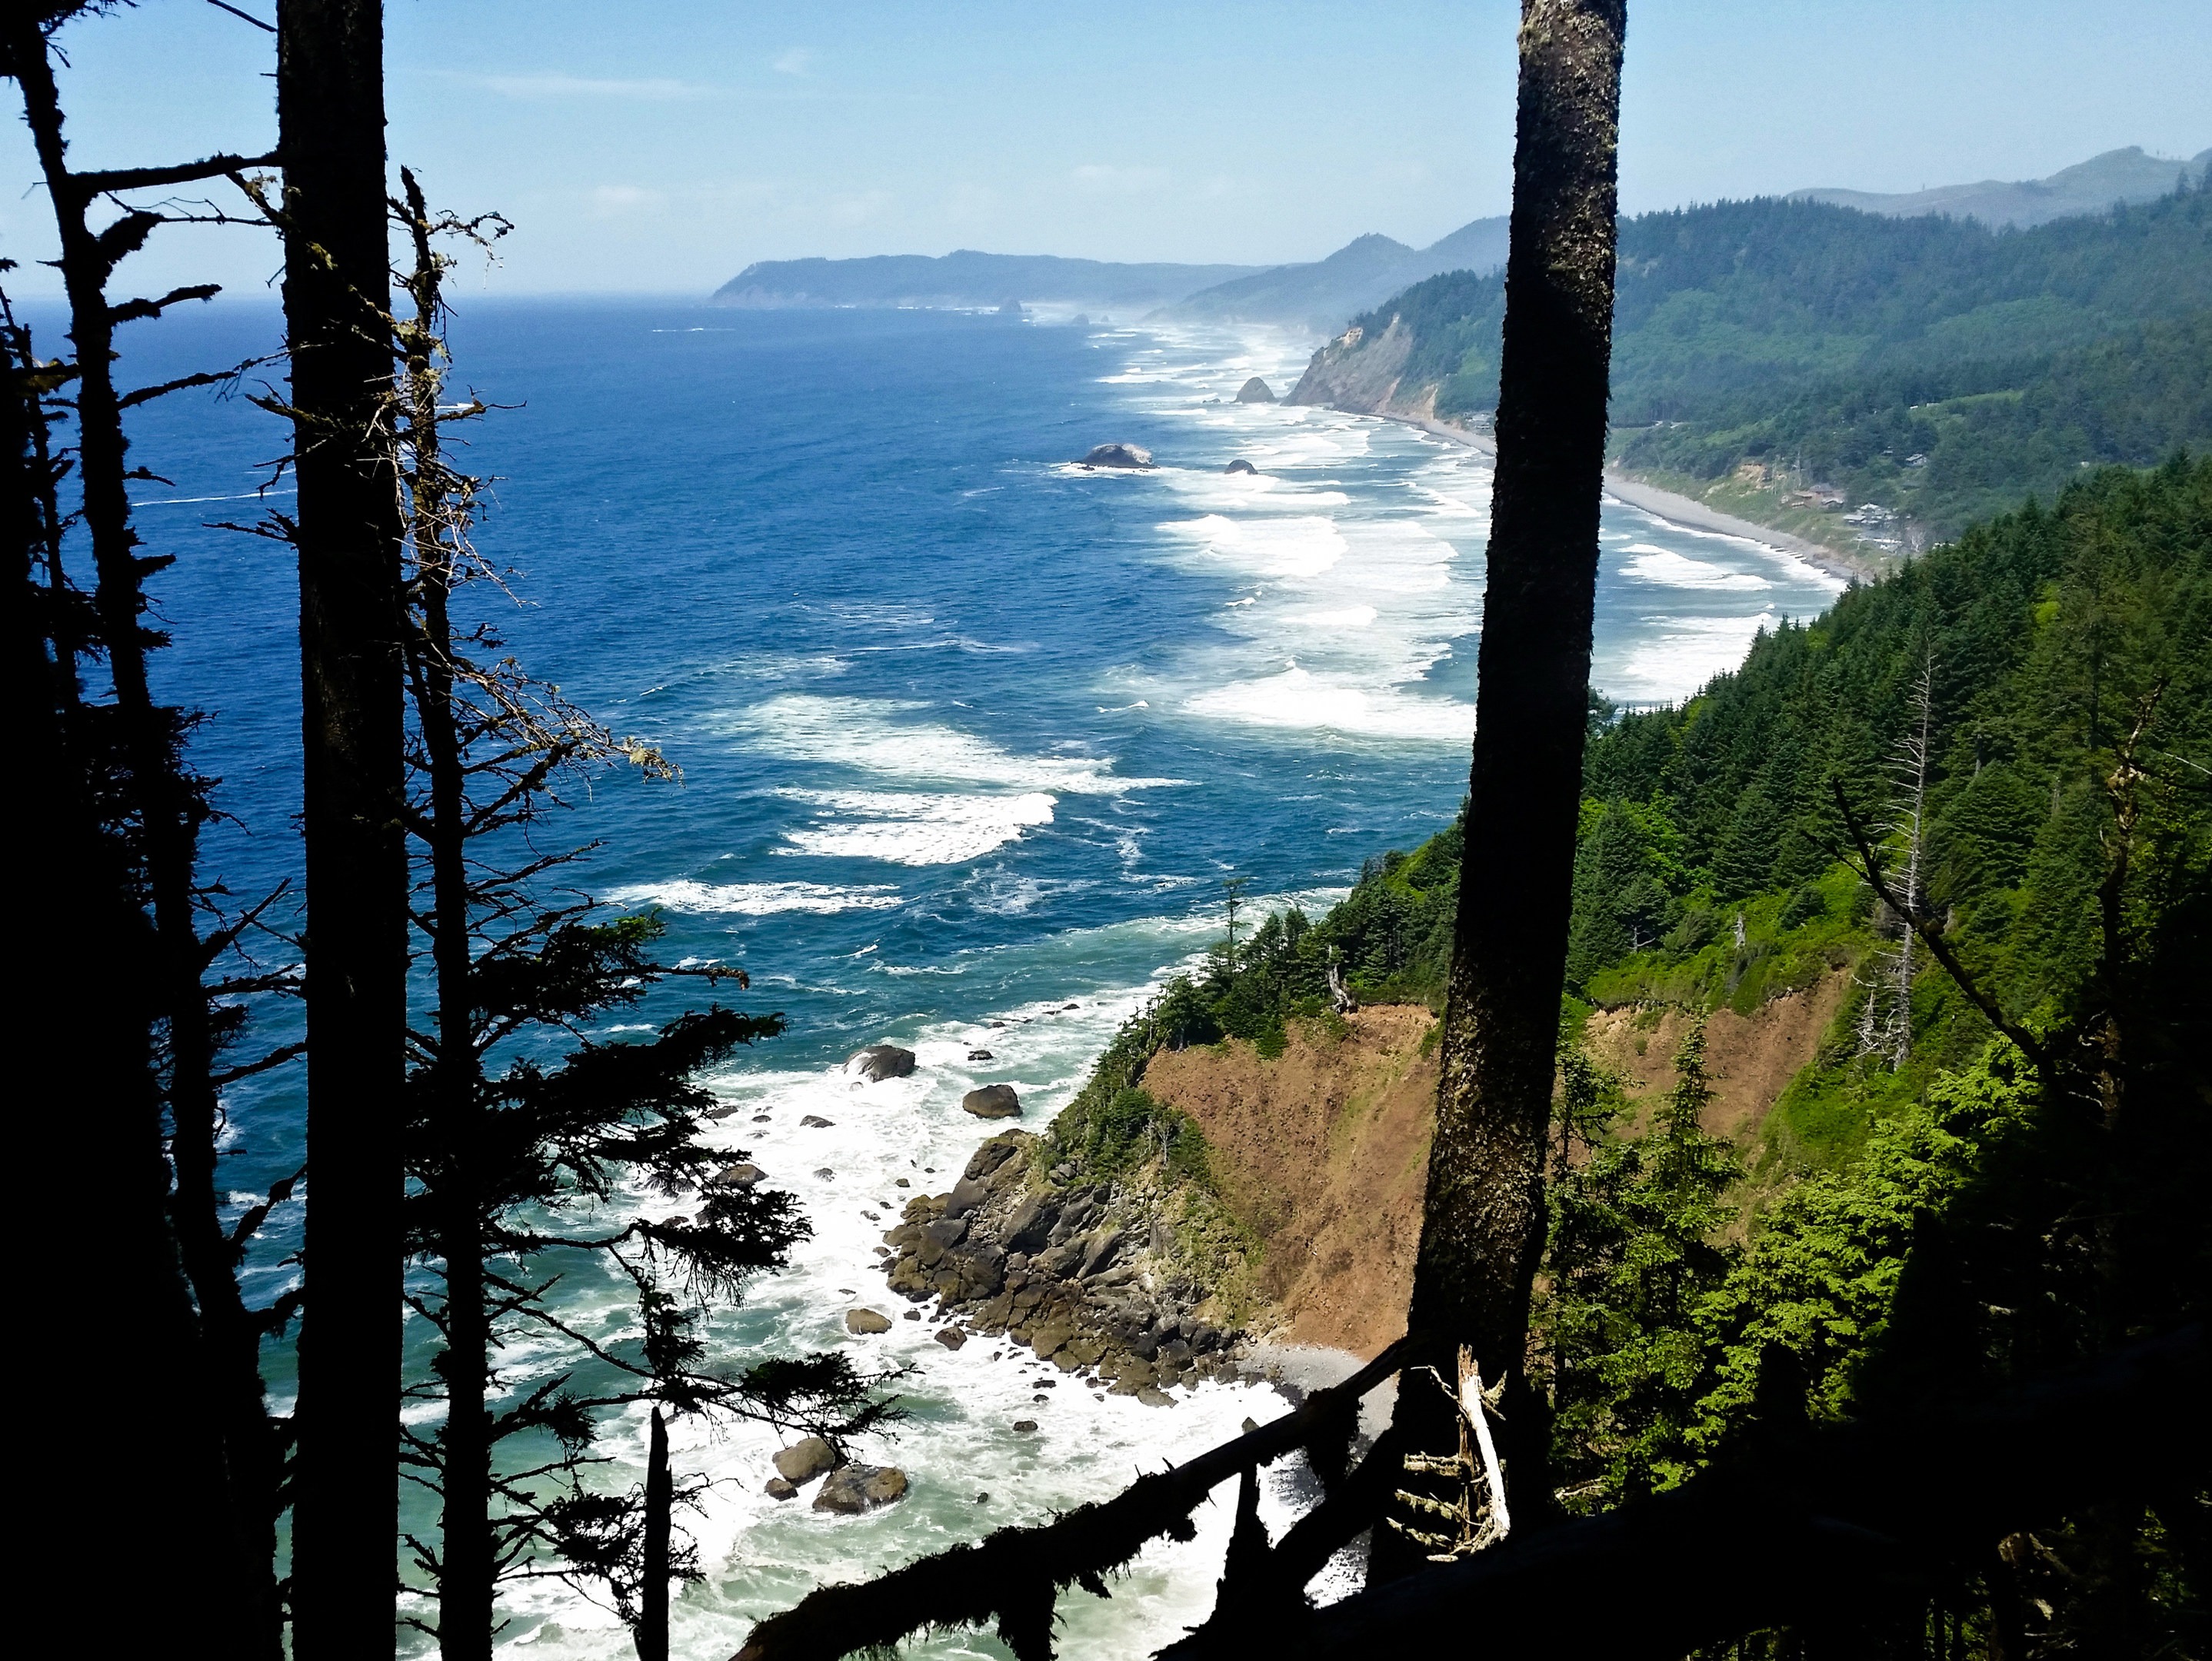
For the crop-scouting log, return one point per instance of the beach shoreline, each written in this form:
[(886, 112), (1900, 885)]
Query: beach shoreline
[(1687, 512)]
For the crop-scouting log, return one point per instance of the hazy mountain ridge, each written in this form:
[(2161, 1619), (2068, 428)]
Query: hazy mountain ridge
[(967, 277), (2087, 187), (1364, 273)]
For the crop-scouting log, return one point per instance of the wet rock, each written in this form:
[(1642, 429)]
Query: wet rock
[(1255, 390), (912, 1315), (866, 1320), (1025, 1425), (815, 1122), (742, 1175), (999, 1151), (878, 1062), (992, 1101), (1240, 465), (825, 1175), (778, 1488), (1118, 455), (981, 1055), (952, 1337), (805, 1459), (1149, 1396), (856, 1488), (721, 1112)]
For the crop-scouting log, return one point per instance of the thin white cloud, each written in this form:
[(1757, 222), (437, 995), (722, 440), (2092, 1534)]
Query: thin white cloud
[(797, 61), (578, 86)]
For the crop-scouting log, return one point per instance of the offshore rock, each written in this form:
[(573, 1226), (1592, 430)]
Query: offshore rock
[(778, 1488), (743, 1175), (1240, 465), (881, 1061), (992, 1101), (1255, 390), (856, 1488), (866, 1320), (1119, 454), (805, 1459)]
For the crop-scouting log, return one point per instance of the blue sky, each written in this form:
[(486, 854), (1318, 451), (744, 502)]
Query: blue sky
[(657, 146)]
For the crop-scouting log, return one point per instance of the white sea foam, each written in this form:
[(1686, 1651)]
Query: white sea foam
[(1297, 697), (1285, 547), (758, 898), (869, 736), (914, 828), (1664, 566)]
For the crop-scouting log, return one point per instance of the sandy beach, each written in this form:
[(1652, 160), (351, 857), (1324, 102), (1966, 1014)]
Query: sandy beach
[(1685, 511)]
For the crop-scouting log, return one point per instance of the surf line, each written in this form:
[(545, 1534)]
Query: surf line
[(1683, 512)]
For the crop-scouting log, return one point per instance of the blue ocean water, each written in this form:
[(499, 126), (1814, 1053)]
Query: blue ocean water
[(970, 737)]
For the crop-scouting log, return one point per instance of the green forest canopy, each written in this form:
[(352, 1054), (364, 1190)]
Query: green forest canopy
[(1930, 364)]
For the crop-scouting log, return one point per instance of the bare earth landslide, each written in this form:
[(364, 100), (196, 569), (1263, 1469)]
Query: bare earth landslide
[(1320, 1155)]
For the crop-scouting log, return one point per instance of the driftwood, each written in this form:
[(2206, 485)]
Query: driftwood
[(1838, 1528), (1012, 1577)]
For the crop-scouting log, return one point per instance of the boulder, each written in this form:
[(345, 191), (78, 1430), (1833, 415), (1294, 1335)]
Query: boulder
[(805, 1459), (967, 1194), (855, 1488), (1240, 465), (866, 1320), (1119, 454), (881, 1061), (992, 1101), (742, 1175), (981, 1055), (1255, 391), (780, 1489), (815, 1122), (1098, 1250), (1025, 1425), (1032, 1224), (952, 1337)]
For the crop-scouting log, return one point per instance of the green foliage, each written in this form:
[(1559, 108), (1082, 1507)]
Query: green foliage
[(1932, 364), (1631, 1258)]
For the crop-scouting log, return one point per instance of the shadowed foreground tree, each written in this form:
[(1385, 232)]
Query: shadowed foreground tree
[(1482, 1224), (330, 108), (139, 808), (528, 1166)]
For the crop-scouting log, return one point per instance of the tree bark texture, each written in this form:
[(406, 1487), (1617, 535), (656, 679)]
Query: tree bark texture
[(329, 98), (1482, 1226)]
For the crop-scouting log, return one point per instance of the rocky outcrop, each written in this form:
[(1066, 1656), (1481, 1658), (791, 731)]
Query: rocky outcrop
[(743, 1174), (1361, 373), (992, 1101), (863, 1321), (1118, 455), (805, 1459), (881, 1061), (1065, 1268), (1255, 390), (855, 1488), (1240, 465)]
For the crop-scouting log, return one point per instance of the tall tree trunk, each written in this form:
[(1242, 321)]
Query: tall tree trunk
[(169, 808), (467, 1569), (329, 106), (660, 1503), (1482, 1227)]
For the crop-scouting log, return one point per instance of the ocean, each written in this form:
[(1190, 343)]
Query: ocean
[(971, 739)]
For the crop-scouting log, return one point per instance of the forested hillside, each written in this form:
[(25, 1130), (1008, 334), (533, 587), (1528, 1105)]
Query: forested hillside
[(1930, 364), (2018, 725)]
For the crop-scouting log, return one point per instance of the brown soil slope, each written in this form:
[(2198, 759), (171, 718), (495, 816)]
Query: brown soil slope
[(1323, 1152)]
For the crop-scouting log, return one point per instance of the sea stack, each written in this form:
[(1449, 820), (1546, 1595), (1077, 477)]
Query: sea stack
[(1119, 454), (1240, 465), (1255, 391)]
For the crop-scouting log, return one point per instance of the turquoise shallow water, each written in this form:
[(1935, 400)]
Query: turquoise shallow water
[(968, 734)]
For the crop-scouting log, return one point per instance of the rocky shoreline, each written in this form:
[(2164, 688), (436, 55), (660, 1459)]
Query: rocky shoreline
[(1076, 1271)]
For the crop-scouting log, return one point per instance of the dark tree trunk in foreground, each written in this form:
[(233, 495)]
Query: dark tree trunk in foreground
[(653, 1594), (1483, 1221), (153, 785), (329, 97)]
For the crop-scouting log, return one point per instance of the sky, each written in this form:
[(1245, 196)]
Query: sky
[(659, 147)]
